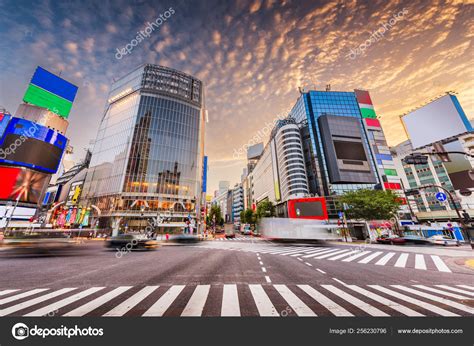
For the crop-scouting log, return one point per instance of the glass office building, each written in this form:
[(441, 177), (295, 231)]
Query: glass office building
[(148, 155), (337, 148)]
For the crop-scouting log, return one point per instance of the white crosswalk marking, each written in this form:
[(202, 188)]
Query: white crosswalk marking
[(444, 301), (197, 301), (5, 292), (64, 302), (370, 257), (373, 311), (94, 304), (330, 254), (264, 304), (300, 308), (305, 252), (454, 289), (342, 255), (402, 261), (230, 301), (131, 302), (35, 301), (424, 305), (320, 253), (444, 293), (442, 267), (420, 262), (383, 261), (162, 304), (353, 257), (466, 286), (334, 308), (21, 295), (395, 306), (289, 252)]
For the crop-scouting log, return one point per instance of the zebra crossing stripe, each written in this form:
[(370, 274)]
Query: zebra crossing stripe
[(373, 311), (307, 252), (420, 262), (94, 304), (5, 292), (342, 255), (330, 254), (35, 301), (263, 303), (395, 306), (131, 302), (21, 295), (300, 308), (162, 304), (435, 290), (456, 289), (424, 305), (467, 287), (196, 304), (370, 257), (402, 261), (320, 253), (64, 302), (333, 307), (230, 301), (444, 301), (383, 261), (353, 257), (439, 263)]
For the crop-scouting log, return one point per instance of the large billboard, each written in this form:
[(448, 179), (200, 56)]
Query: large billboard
[(438, 120), (459, 167), (51, 92), (27, 144), (22, 183)]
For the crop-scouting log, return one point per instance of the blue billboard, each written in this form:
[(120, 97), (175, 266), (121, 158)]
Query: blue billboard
[(54, 84), (27, 144), (204, 175)]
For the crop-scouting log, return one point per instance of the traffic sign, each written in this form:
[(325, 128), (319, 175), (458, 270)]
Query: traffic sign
[(441, 196), (341, 214)]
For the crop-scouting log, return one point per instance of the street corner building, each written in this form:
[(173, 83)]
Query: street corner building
[(147, 158)]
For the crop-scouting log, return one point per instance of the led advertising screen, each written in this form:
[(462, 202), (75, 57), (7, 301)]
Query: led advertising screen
[(459, 168), (349, 150), (23, 183), (438, 120), (27, 144), (4, 120), (308, 208), (51, 92)]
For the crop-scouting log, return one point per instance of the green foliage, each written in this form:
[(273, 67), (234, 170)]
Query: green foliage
[(265, 209), (370, 204), (217, 213), (249, 216), (242, 217)]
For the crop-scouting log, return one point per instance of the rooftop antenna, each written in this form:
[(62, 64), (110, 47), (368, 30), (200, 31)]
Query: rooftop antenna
[(328, 87)]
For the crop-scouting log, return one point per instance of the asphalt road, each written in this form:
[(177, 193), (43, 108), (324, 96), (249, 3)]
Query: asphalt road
[(243, 277)]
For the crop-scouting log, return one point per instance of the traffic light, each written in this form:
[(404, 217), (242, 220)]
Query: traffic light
[(416, 159), (466, 217), (412, 192)]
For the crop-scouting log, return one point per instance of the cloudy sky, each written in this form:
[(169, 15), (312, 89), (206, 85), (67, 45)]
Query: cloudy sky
[(251, 55)]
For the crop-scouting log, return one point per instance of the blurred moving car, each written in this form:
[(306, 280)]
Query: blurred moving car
[(443, 240), (38, 242), (131, 241), (391, 239), (246, 229), (229, 233), (219, 229), (415, 239), (237, 226)]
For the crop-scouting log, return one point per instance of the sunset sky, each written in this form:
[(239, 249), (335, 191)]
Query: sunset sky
[(251, 55)]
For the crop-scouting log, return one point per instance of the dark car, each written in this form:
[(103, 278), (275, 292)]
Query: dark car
[(229, 233), (38, 242), (219, 230), (391, 239), (131, 242)]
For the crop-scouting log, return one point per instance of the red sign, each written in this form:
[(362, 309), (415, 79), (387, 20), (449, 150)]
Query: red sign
[(308, 208)]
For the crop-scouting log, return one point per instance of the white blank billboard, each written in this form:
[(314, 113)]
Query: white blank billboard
[(434, 122)]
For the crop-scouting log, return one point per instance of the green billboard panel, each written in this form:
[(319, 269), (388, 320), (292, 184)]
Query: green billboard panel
[(45, 99), (368, 113), (391, 172)]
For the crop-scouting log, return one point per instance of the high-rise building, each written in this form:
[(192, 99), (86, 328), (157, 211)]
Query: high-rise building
[(237, 201), (344, 145), (147, 159)]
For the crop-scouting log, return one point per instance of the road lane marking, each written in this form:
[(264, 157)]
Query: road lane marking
[(267, 278), (439, 263), (414, 301), (391, 304), (370, 257), (420, 262), (441, 300), (5, 292), (383, 261), (131, 302), (308, 264), (263, 303), (321, 271), (165, 301), (264, 269), (307, 252), (457, 289), (300, 308), (373, 311), (21, 295), (300, 259), (64, 302), (35, 301), (197, 301), (230, 301), (94, 304), (466, 286), (360, 254), (435, 290), (342, 255), (402, 260), (333, 307), (320, 253), (330, 254), (261, 263)]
